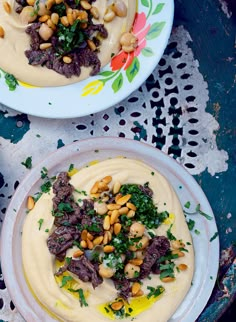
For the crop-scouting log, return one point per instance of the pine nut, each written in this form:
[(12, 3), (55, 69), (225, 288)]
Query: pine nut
[(64, 21), (131, 206), (98, 240), (45, 45), (75, 13), (168, 279), (123, 200), (108, 249), (135, 288), (70, 18), (30, 2), (120, 8), (123, 210), (94, 188), (85, 5), (44, 18), (139, 293), (67, 60), (95, 195), (59, 1), (111, 230), (69, 10), (113, 206), (49, 4), (116, 187), (136, 261), (118, 196), (102, 186), (107, 179), (183, 267), (30, 203), (89, 244), (131, 213), (90, 236), (95, 13), (82, 15), (105, 238), (109, 16), (106, 223), (116, 306), (176, 244), (177, 252), (84, 234), (78, 253), (55, 18), (117, 228), (83, 244), (114, 216), (51, 24), (7, 7)]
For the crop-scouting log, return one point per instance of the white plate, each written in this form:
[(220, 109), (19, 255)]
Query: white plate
[(153, 26), (81, 153)]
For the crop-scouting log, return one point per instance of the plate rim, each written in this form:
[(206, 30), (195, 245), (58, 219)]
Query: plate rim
[(109, 143)]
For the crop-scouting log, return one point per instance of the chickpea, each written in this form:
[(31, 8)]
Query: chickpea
[(27, 15), (41, 8), (137, 229), (120, 8), (131, 270), (140, 245), (45, 32), (140, 254), (105, 272), (128, 42), (101, 208)]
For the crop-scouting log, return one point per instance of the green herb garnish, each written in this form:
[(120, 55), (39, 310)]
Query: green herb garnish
[(155, 292), (81, 296), (27, 163), (214, 236), (169, 234), (65, 279), (40, 222), (11, 81)]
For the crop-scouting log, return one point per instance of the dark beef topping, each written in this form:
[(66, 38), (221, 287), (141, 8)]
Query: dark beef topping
[(85, 270), (123, 287)]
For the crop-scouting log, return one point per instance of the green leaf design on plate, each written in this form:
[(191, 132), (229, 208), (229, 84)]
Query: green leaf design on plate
[(145, 3), (155, 30), (158, 8), (118, 82), (106, 73), (147, 52), (133, 69)]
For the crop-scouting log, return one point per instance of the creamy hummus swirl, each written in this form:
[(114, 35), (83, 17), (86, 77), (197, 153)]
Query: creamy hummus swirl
[(16, 41), (39, 264)]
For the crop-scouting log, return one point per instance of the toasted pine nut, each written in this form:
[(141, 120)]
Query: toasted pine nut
[(120, 8), (108, 249), (98, 240), (135, 288), (183, 267), (168, 279), (89, 243), (30, 203), (70, 18), (69, 10), (109, 235), (139, 293), (95, 195), (82, 15), (113, 206), (118, 196), (105, 238), (94, 188), (7, 7), (131, 213), (59, 1), (78, 253), (93, 47), (49, 4), (30, 2), (123, 210), (109, 16), (111, 230), (94, 11), (107, 179), (67, 59), (136, 261), (90, 236), (84, 234), (51, 24), (85, 5), (116, 306), (102, 186), (2, 32), (64, 21), (176, 244), (117, 228), (106, 223), (83, 244), (55, 18), (114, 216), (75, 13), (45, 45), (44, 18), (121, 201), (131, 206), (177, 252), (116, 187)]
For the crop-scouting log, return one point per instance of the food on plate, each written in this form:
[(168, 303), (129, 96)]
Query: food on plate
[(106, 242), (58, 42)]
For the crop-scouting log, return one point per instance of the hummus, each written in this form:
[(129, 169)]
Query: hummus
[(16, 41), (40, 266)]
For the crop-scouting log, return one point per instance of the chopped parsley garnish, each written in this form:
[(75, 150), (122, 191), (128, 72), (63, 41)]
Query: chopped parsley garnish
[(214, 236), (40, 222), (60, 9), (45, 187), (167, 270), (65, 279), (46, 230), (169, 234), (191, 224), (11, 81), (27, 163), (146, 211), (198, 211), (187, 205), (155, 292), (64, 206), (68, 260), (82, 192), (71, 167), (197, 232), (81, 296), (44, 173)]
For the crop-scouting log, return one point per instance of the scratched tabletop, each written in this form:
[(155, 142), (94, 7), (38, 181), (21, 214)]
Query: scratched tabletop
[(186, 108)]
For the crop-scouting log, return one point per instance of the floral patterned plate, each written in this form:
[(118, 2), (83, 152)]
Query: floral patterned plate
[(124, 74)]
